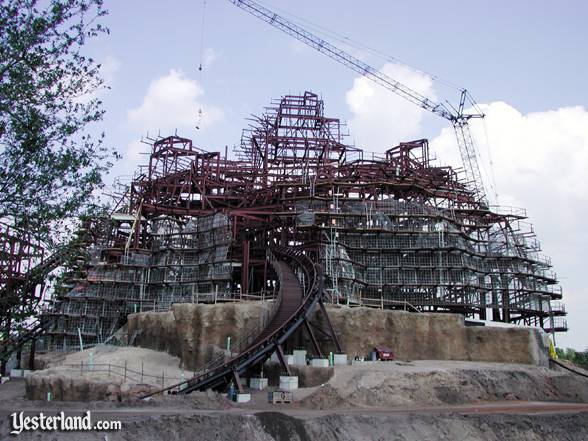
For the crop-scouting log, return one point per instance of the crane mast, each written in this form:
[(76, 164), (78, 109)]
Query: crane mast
[(457, 117)]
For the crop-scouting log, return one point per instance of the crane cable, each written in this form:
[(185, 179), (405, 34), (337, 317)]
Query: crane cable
[(490, 162), (361, 46), (201, 64)]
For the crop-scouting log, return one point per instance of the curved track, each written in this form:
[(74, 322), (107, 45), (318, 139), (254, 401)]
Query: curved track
[(297, 301), (23, 295)]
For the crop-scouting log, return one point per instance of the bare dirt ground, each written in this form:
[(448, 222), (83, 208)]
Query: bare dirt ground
[(152, 363), (410, 401), (444, 382)]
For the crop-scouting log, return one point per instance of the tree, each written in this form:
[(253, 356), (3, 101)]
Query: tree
[(576, 357), (50, 163)]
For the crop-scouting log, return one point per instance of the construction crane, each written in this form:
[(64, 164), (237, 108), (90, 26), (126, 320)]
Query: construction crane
[(456, 115)]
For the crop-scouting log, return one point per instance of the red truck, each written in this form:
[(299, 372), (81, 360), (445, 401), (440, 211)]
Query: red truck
[(384, 353)]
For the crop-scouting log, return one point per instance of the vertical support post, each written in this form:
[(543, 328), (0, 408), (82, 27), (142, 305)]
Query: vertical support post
[(331, 329), (495, 309), (482, 304), (245, 268), (18, 358), (282, 360), (237, 381), (505, 300), (313, 339), (81, 341), (32, 354), (264, 286)]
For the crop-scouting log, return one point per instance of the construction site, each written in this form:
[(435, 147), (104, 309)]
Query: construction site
[(293, 264), (389, 232)]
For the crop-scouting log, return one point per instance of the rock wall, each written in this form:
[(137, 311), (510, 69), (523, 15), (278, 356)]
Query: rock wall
[(195, 332), (155, 330), (435, 336), (76, 388), (64, 388)]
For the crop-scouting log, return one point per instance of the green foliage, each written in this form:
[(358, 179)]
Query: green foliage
[(578, 358), (50, 164)]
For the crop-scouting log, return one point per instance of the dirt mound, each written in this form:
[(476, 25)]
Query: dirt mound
[(387, 386), (445, 428), (195, 400), (105, 372)]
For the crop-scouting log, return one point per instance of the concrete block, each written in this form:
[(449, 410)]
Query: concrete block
[(243, 398), (258, 383), (289, 359), (288, 383), (319, 362), (4, 380), (340, 359), (16, 373), (299, 357), (362, 362)]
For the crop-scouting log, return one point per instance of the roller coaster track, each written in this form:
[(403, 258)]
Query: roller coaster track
[(23, 295), (297, 299)]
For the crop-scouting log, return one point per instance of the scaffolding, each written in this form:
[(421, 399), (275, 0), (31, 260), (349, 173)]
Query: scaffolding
[(184, 263), (390, 230)]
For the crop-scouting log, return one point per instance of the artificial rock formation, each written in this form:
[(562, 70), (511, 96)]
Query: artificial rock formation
[(435, 336), (196, 332)]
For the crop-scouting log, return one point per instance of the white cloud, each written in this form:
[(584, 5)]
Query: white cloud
[(534, 155), (209, 57), (381, 119), (109, 66), (135, 155), (174, 102), (540, 162)]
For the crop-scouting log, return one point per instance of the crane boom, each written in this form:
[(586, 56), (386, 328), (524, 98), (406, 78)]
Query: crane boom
[(458, 118)]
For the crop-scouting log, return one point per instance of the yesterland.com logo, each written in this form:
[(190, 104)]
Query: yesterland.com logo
[(60, 422)]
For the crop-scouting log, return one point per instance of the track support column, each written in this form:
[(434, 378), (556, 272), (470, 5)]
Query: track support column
[(282, 360)]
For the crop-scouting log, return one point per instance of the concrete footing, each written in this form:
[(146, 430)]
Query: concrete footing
[(299, 357), (288, 383), (362, 362), (319, 362), (19, 373), (340, 359), (258, 383), (243, 398)]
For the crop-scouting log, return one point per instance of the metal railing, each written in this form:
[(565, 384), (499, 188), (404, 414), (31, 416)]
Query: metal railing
[(123, 371)]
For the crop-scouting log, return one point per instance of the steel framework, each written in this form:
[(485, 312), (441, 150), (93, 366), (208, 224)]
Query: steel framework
[(389, 230)]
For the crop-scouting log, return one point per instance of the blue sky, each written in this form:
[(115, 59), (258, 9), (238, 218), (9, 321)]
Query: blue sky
[(524, 62)]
